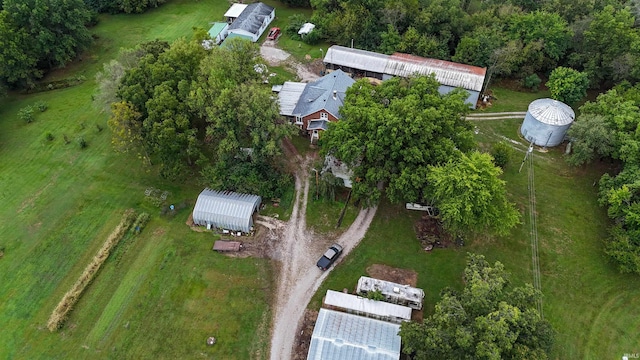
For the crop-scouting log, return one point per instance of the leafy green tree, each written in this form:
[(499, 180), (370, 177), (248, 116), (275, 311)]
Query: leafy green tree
[(501, 151), (471, 196), (389, 134), (487, 320), (568, 85), (477, 47), (37, 35), (591, 137), (125, 125)]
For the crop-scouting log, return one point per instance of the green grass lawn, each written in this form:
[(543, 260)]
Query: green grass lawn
[(164, 292), (590, 305)]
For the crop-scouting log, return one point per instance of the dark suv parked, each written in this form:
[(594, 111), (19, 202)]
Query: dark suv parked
[(329, 257)]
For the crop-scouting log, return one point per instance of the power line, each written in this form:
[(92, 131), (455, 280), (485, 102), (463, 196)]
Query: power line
[(533, 222)]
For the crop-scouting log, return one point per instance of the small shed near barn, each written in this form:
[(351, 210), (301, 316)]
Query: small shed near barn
[(226, 210)]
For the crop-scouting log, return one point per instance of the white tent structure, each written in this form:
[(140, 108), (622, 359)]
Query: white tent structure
[(226, 210)]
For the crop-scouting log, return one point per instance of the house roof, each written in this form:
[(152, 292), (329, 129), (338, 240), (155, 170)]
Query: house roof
[(217, 28), (399, 64), (234, 36), (252, 18), (288, 96), (235, 10), (319, 95), (320, 124), (368, 306), (342, 336), (225, 209)]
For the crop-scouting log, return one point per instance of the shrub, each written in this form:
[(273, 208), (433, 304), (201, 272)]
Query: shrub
[(66, 139), (42, 106), (501, 152), (71, 297), (82, 142), (532, 82), (313, 37), (26, 114), (49, 136), (295, 23), (99, 127)]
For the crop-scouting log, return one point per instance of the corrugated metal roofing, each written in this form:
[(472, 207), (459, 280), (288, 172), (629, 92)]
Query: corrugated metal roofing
[(226, 210), (217, 28), (341, 336), (319, 95), (288, 96), (364, 305), (356, 58), (252, 18), (446, 72), (551, 112), (391, 289), (235, 10)]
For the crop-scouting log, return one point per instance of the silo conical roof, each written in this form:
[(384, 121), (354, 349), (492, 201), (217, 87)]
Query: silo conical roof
[(551, 112)]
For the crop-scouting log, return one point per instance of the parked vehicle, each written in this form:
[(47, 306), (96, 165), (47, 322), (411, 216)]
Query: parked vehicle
[(273, 33), (329, 257)]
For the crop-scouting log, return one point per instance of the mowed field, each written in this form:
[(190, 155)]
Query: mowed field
[(592, 307), (163, 292)]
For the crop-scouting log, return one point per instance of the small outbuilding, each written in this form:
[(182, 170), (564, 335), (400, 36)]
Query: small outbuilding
[(252, 20), (546, 122), (370, 308), (226, 210), (393, 293), (305, 29)]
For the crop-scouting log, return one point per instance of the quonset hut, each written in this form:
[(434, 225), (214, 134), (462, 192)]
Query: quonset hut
[(546, 122), (226, 210)]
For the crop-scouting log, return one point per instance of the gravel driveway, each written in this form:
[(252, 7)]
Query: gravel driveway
[(297, 250)]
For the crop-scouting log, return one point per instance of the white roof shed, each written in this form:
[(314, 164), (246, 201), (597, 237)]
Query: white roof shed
[(367, 307), (342, 336), (226, 210)]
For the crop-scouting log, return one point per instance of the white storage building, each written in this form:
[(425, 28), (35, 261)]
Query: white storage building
[(374, 309), (342, 336), (226, 210)]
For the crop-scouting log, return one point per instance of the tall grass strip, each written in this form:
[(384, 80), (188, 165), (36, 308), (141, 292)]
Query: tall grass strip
[(61, 312), (140, 222)]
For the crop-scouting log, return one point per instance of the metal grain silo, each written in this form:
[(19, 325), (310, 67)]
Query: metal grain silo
[(546, 122)]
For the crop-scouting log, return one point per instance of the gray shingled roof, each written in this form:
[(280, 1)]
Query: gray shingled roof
[(252, 17), (318, 124), (342, 336), (226, 210), (318, 95)]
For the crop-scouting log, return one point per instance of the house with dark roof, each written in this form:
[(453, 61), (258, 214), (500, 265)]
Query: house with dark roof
[(249, 20), (312, 106)]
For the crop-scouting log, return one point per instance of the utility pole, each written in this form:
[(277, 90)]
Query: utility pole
[(317, 189)]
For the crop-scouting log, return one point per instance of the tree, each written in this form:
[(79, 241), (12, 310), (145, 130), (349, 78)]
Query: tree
[(568, 85), (591, 137), (487, 320), (471, 196), (40, 35), (389, 134)]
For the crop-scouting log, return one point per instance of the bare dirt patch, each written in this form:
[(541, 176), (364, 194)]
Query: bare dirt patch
[(303, 338), (396, 275)]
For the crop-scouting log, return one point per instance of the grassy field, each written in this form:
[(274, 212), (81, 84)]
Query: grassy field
[(162, 293), (590, 305)]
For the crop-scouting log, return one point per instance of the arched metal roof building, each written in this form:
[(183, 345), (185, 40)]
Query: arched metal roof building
[(546, 122), (226, 210)]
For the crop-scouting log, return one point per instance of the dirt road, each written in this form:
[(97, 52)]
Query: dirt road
[(298, 250), (278, 57)]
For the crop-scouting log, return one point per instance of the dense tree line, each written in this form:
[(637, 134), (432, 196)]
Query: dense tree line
[(122, 6), (488, 319), (407, 139), (38, 35), (517, 38), (183, 108), (610, 128)]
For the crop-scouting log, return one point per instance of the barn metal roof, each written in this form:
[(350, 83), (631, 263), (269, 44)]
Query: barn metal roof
[(551, 112), (342, 336), (368, 306), (399, 64), (447, 72), (252, 18), (288, 96), (217, 28), (356, 58), (225, 209), (326, 93)]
